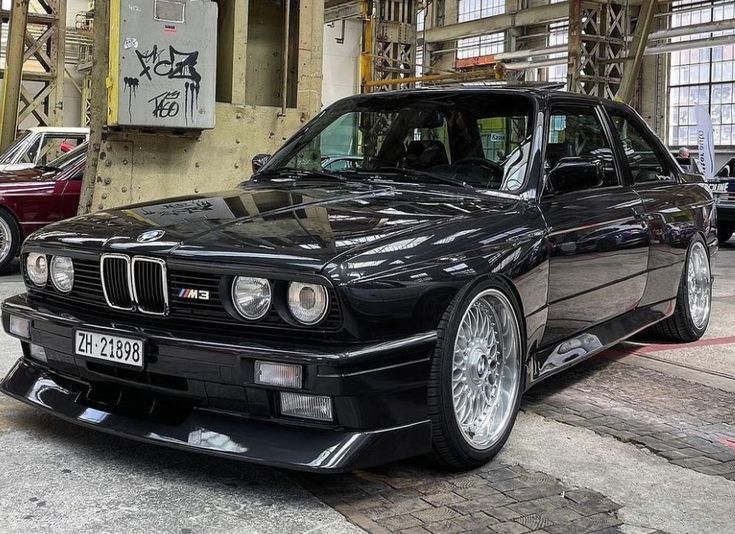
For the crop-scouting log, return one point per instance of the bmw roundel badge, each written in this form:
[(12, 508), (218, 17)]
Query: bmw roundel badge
[(150, 235)]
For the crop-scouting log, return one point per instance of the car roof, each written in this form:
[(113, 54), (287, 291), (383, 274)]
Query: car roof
[(57, 129), (545, 93)]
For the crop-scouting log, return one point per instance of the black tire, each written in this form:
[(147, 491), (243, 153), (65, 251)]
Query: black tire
[(725, 231), (9, 226), (449, 446), (680, 326)]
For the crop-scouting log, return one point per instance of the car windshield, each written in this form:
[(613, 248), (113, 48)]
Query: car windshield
[(473, 139), (15, 153)]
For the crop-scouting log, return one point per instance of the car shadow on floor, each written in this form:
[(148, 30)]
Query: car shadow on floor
[(114, 451), (12, 268)]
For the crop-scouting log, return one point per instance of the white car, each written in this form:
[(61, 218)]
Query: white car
[(39, 145)]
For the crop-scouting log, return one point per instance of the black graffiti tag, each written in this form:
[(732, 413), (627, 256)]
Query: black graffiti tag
[(166, 105), (177, 66), (170, 64), (131, 87)]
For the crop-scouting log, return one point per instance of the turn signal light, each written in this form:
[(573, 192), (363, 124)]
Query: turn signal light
[(313, 407), (20, 327), (278, 374), (38, 353)]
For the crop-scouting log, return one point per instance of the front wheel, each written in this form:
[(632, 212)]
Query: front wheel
[(476, 376), (9, 239), (694, 300)]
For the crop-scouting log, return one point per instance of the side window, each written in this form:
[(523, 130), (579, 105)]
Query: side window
[(31, 152), (578, 154), (51, 148), (646, 164)]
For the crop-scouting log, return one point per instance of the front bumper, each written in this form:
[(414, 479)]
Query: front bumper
[(199, 394)]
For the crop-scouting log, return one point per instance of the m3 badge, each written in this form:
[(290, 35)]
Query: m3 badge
[(194, 294)]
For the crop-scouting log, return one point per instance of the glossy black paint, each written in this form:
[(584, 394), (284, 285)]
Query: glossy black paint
[(589, 268)]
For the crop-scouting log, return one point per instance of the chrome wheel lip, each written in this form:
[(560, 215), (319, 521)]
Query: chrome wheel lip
[(486, 369), (6, 239), (699, 285)]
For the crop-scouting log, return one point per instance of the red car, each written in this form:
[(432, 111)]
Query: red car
[(32, 198)]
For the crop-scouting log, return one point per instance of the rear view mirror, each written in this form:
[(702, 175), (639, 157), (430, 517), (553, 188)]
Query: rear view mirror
[(259, 161), (576, 174)]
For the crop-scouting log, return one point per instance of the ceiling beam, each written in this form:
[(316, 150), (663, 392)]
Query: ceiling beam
[(526, 17)]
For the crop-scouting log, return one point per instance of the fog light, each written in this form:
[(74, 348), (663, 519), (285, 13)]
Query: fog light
[(20, 327), (38, 353), (278, 374), (306, 406)]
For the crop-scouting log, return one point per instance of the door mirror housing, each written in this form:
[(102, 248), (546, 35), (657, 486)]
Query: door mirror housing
[(576, 174), (259, 161)]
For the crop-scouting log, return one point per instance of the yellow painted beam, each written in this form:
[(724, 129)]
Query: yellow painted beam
[(113, 77)]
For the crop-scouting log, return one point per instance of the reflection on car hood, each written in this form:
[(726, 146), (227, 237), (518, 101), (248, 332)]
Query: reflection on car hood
[(299, 227), (33, 180), (33, 174)]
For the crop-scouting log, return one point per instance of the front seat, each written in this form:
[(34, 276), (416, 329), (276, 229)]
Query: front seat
[(425, 154)]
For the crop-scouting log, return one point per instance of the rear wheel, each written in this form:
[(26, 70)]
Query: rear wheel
[(725, 231), (476, 376), (9, 239), (694, 301)]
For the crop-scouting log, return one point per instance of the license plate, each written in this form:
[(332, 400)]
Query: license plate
[(113, 349)]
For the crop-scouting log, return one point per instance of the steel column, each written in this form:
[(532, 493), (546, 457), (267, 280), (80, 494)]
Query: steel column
[(98, 102), (575, 45), (13, 72), (42, 37), (638, 47)]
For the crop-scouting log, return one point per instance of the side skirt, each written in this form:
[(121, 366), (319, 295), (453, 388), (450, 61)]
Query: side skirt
[(552, 360)]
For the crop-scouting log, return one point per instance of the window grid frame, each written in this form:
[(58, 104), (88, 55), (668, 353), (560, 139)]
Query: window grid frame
[(682, 131)]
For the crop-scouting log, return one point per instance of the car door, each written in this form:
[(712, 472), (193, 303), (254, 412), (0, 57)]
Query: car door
[(71, 184), (597, 233), (674, 208)]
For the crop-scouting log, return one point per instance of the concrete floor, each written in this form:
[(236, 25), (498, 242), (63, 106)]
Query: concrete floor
[(57, 477)]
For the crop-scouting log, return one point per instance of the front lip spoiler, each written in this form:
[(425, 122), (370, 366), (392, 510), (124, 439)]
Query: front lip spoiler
[(300, 448)]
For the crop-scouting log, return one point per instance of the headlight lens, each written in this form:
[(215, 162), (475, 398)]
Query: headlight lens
[(251, 296), (307, 302), (62, 273), (37, 268)]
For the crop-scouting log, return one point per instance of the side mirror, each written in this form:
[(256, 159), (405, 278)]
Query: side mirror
[(576, 174), (259, 161)]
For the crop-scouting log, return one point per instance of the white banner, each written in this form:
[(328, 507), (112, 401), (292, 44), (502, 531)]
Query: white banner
[(705, 142)]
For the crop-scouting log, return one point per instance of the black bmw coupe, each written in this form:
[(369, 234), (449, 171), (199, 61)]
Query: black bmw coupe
[(315, 319)]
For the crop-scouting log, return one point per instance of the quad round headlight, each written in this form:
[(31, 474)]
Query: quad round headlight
[(37, 268), (62, 273), (251, 296), (307, 302)]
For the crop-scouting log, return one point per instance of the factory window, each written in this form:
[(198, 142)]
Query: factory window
[(481, 45), (477, 9), (701, 76), (420, 26), (558, 35)]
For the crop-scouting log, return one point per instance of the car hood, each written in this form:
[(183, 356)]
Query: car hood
[(292, 227)]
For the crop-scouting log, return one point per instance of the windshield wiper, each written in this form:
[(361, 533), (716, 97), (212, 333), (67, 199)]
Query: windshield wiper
[(404, 171)]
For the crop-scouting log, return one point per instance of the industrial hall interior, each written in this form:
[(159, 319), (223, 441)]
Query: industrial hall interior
[(384, 266)]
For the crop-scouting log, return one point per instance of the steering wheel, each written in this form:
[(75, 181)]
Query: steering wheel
[(495, 168)]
